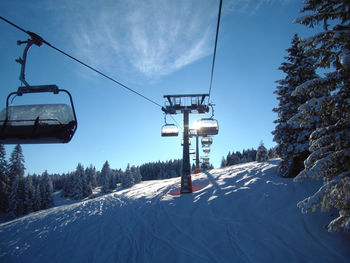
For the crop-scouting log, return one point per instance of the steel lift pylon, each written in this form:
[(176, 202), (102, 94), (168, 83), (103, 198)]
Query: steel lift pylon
[(185, 104)]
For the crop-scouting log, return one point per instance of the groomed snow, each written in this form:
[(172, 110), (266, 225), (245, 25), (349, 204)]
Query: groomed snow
[(245, 214)]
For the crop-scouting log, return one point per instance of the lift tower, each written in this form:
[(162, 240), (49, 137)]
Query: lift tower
[(186, 104)]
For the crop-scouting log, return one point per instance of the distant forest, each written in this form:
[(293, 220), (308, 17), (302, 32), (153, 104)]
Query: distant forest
[(249, 155), (20, 194)]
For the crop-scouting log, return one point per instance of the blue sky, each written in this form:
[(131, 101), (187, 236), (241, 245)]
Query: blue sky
[(156, 47)]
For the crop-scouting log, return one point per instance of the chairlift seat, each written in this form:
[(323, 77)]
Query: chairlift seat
[(35, 124), (38, 123), (208, 126), (170, 130), (206, 149), (205, 158), (207, 140)]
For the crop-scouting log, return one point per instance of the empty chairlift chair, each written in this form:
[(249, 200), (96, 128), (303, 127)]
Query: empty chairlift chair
[(207, 126), (205, 159), (207, 141), (169, 130), (206, 149), (37, 123)]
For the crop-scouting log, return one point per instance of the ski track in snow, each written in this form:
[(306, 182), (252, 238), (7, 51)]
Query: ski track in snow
[(245, 214)]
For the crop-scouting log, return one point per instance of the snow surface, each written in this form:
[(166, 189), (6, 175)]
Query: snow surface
[(245, 214)]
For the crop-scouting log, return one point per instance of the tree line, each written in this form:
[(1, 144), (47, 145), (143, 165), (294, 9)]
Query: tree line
[(313, 127), (250, 155), (20, 194)]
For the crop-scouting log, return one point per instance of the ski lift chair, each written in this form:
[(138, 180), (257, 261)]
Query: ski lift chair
[(206, 149), (207, 141), (205, 158), (38, 123), (192, 151), (208, 126), (169, 130)]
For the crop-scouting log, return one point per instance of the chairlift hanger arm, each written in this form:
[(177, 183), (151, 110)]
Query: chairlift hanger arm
[(23, 60)]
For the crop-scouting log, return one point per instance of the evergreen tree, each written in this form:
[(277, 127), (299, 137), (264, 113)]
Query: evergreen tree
[(330, 143), (228, 159), (113, 180), (87, 188), (4, 180), (46, 190), (16, 165), (135, 171), (105, 177), (68, 185), (261, 155), (16, 182), (118, 176), (15, 206), (79, 183), (37, 198), (272, 153), (28, 195), (90, 173), (223, 162), (128, 178), (292, 139)]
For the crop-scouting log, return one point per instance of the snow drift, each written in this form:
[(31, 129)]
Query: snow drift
[(246, 213)]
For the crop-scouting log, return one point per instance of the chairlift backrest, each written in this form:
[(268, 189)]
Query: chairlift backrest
[(37, 123), (205, 158), (206, 149), (207, 140), (169, 130), (208, 126)]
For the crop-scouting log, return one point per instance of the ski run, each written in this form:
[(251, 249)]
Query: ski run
[(245, 213)]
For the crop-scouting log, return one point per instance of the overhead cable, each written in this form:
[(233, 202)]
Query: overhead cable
[(216, 42), (31, 34)]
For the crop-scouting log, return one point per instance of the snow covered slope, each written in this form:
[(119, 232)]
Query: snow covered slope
[(245, 214)]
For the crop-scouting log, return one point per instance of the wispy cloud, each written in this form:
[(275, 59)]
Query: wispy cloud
[(250, 7), (151, 38), (148, 38)]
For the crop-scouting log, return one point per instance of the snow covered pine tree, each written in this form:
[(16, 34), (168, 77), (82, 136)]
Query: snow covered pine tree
[(330, 143), (261, 154), (16, 176), (128, 178), (105, 178), (292, 139), (4, 180)]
